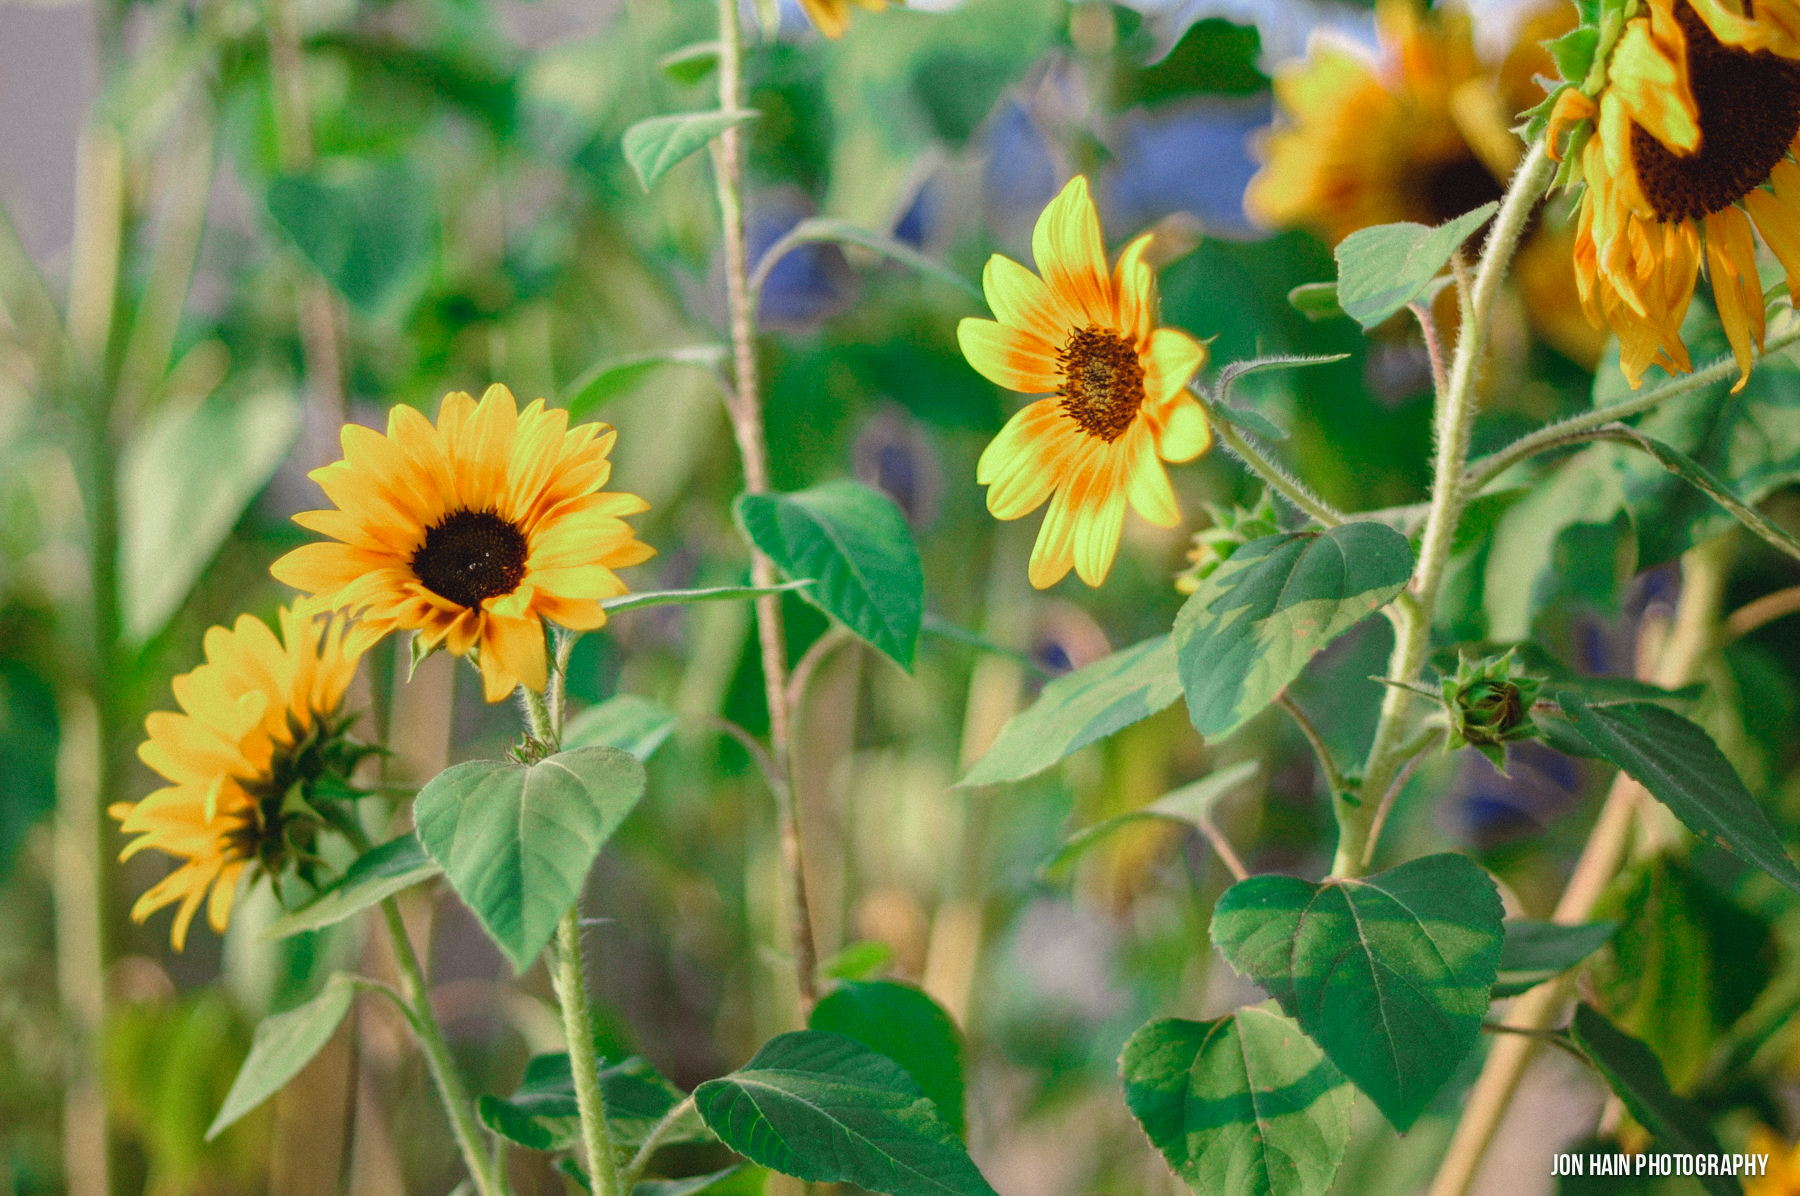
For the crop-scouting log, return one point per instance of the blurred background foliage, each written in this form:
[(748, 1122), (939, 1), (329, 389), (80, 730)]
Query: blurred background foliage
[(319, 208)]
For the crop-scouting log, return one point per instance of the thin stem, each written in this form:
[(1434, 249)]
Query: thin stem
[(1764, 610), (1434, 345), (809, 664), (1704, 570), (1273, 475), (1333, 777), (578, 1028), (1565, 432), (759, 755), (1415, 756), (1455, 420), (1221, 845), (747, 427), (662, 1129), (416, 997)]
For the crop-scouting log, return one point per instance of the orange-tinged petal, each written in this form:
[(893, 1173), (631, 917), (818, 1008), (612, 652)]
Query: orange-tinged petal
[(1777, 216), (1071, 255), (1146, 484), (1053, 555), (1181, 430), (1172, 359), (1731, 261), (1022, 301), (1007, 357)]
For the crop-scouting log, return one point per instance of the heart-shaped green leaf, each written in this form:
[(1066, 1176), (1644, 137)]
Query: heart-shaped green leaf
[(656, 146), (855, 546), (1246, 1104), (628, 722), (901, 1022), (606, 380), (826, 1109), (1259, 617), (376, 875), (283, 1045), (365, 225), (1383, 268), (1190, 805), (1535, 951), (516, 842), (1082, 708), (1388, 973), (1679, 763)]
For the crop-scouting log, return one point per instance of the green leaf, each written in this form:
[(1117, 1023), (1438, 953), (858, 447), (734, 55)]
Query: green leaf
[(944, 629), (1698, 476), (1246, 420), (366, 226), (624, 721), (1316, 300), (1382, 269), (824, 228), (542, 1113), (655, 146), (173, 516), (1246, 1104), (690, 63), (516, 841), (644, 598), (607, 380), (1228, 377), (1574, 52), (1683, 768), (1535, 951), (29, 733), (858, 961), (1388, 973), (283, 1045), (1190, 805), (853, 543), (826, 1109), (1082, 708), (1636, 1075), (376, 875), (907, 1026), (693, 1185), (1260, 616)]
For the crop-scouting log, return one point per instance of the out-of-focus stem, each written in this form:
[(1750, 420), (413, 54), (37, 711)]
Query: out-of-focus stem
[(747, 426), (1703, 573)]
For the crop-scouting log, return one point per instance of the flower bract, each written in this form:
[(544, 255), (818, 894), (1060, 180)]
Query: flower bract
[(1119, 407), (471, 533), (1691, 155), (259, 723)]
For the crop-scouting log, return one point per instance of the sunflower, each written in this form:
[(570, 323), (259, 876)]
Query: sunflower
[(1419, 132), (258, 718), (1091, 340), (471, 533), (1692, 147), (1781, 1177), (832, 17)]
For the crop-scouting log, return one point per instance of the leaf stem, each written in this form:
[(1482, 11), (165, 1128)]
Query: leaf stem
[(1434, 345), (1272, 474), (1415, 754), (1334, 778), (1455, 418), (635, 1169), (745, 409), (1571, 430), (415, 996), (1764, 610)]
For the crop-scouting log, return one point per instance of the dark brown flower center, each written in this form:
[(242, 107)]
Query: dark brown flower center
[(1103, 383), (471, 555), (1452, 186), (1749, 114)]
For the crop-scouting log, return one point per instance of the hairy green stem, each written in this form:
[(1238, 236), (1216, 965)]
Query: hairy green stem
[(747, 427), (654, 1139), (417, 997), (1272, 474), (1574, 430), (1455, 420), (568, 976)]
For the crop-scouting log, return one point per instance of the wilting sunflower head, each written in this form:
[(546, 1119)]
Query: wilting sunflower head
[(1690, 155), (1118, 405), (258, 745), (471, 533), (832, 17)]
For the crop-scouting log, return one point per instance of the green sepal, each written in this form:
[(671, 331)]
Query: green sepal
[(1574, 52), (1488, 707), (1231, 529)]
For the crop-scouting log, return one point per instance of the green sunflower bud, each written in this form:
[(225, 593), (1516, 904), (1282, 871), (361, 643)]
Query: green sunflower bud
[(1230, 530), (1489, 707)]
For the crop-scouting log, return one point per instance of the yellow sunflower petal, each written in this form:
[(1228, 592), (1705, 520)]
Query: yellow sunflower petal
[(1017, 466), (1007, 357), (1777, 216), (830, 17), (1648, 78), (1071, 256), (1172, 359), (1731, 261), (1097, 499), (1134, 283), (1022, 301), (1053, 555), (512, 654), (1146, 484), (1181, 430)]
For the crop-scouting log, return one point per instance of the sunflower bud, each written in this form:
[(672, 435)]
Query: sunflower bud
[(1230, 530), (1489, 707)]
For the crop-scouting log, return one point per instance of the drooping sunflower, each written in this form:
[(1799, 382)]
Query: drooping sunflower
[(1691, 154), (259, 718), (1419, 131), (1089, 339), (471, 533), (832, 17)]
